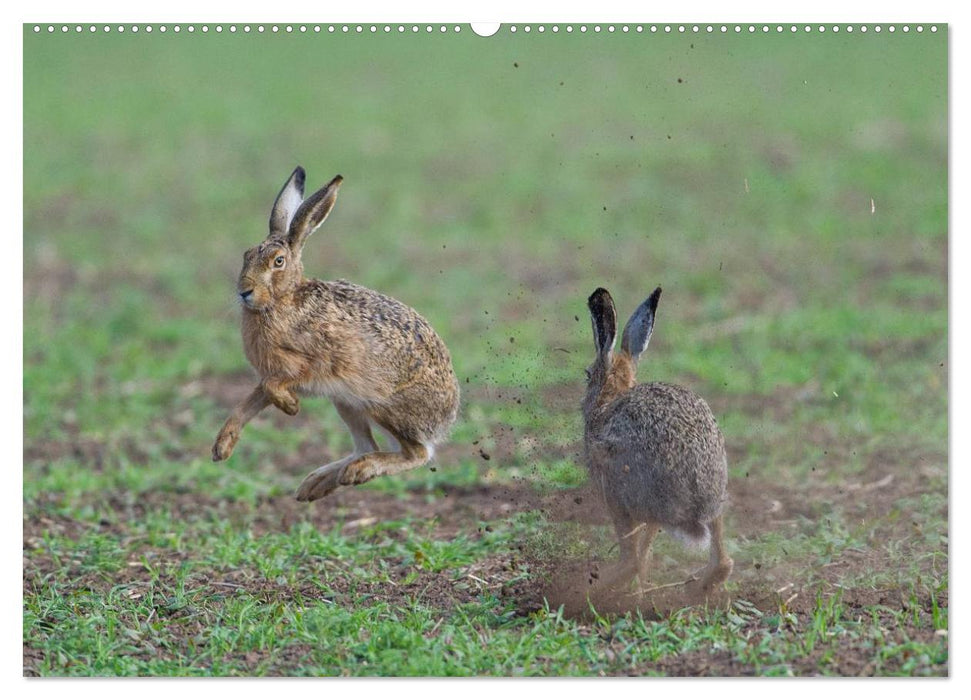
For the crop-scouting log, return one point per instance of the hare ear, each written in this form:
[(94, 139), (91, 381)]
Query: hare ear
[(604, 319), (287, 203), (312, 213), (637, 332)]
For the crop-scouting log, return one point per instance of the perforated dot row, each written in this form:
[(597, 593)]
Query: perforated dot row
[(248, 28), (723, 28), (428, 28)]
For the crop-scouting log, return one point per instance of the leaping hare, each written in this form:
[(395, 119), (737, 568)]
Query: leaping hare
[(379, 361), (654, 450)]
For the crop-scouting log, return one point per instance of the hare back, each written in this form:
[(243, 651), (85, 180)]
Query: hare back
[(658, 455)]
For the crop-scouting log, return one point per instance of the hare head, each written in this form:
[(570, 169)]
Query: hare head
[(612, 374), (273, 268)]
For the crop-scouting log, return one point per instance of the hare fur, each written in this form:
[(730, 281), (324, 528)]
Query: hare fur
[(378, 360), (654, 450)]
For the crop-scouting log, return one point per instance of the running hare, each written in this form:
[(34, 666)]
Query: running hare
[(379, 361), (654, 450)]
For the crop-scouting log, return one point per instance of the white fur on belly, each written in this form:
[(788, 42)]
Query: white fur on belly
[(334, 388)]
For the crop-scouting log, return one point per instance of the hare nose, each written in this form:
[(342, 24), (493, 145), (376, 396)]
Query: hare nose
[(245, 296)]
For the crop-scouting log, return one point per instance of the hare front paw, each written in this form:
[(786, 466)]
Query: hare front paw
[(225, 442), (286, 402)]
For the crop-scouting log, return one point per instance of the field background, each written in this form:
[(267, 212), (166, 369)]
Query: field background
[(788, 191)]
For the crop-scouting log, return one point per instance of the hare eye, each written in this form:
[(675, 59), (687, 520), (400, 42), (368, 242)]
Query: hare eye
[(279, 261)]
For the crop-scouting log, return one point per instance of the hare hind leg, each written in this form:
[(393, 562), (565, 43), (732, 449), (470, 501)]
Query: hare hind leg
[(360, 427), (630, 537), (720, 565), (374, 464), (643, 544), (323, 480), (327, 479)]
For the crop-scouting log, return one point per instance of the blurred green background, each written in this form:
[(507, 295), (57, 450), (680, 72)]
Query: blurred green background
[(789, 192), (491, 183)]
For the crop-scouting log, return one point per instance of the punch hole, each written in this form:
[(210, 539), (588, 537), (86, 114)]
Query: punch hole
[(485, 28)]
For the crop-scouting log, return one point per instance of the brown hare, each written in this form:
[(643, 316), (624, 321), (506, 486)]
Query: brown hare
[(653, 450), (379, 362)]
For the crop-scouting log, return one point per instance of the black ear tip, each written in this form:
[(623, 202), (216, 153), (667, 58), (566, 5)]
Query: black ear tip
[(299, 176), (598, 298), (338, 179), (653, 299)]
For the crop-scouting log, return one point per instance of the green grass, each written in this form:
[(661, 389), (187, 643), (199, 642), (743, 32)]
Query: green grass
[(491, 184)]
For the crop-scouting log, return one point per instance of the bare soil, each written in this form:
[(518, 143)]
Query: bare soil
[(756, 507)]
